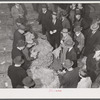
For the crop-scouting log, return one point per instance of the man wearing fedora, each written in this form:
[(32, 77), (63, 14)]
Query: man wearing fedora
[(80, 21), (71, 53), (19, 76), (85, 81), (22, 50), (70, 78), (44, 17), (19, 33), (93, 38), (79, 39), (65, 42), (65, 21), (55, 27), (93, 63), (16, 73)]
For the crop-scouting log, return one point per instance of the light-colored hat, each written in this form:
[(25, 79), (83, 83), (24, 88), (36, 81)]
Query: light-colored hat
[(68, 63), (65, 30), (94, 26), (69, 42)]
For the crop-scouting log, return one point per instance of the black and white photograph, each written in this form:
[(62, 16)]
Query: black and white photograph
[(49, 45)]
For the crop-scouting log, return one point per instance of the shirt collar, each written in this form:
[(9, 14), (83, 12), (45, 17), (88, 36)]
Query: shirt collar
[(70, 48)]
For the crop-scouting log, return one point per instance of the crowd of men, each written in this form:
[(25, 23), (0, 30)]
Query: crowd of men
[(75, 42)]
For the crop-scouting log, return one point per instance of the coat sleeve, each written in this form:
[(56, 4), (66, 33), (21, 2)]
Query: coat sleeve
[(26, 54), (39, 18), (63, 79)]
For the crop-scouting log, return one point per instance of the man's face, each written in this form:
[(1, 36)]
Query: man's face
[(77, 33), (78, 17), (44, 10)]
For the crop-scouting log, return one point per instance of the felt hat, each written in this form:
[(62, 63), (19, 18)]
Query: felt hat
[(21, 43), (54, 13), (18, 60), (69, 42), (68, 63), (64, 13), (77, 11), (21, 21), (44, 6), (94, 26), (77, 29), (28, 81), (64, 30)]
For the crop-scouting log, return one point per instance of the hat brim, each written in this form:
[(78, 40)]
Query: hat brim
[(68, 65), (95, 27), (32, 84), (19, 62)]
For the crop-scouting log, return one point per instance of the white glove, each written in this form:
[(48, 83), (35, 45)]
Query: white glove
[(51, 32), (54, 31)]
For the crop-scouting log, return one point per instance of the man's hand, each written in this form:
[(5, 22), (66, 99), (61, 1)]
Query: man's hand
[(54, 31), (51, 32)]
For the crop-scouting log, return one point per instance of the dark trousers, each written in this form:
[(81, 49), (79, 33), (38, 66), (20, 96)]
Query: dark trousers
[(44, 30), (54, 40)]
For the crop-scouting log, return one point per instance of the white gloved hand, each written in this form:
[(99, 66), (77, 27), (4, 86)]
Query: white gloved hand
[(54, 31), (51, 32)]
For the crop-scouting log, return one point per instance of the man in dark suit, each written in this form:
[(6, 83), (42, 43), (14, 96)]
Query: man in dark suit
[(22, 51), (19, 33), (93, 63), (93, 38), (18, 75), (55, 28), (44, 17), (70, 78)]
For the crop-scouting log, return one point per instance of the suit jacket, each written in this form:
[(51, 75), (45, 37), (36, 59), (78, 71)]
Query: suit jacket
[(17, 36), (93, 67), (24, 54), (92, 41), (57, 26), (44, 18), (71, 55), (80, 39), (83, 23), (70, 79), (16, 74), (66, 23)]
